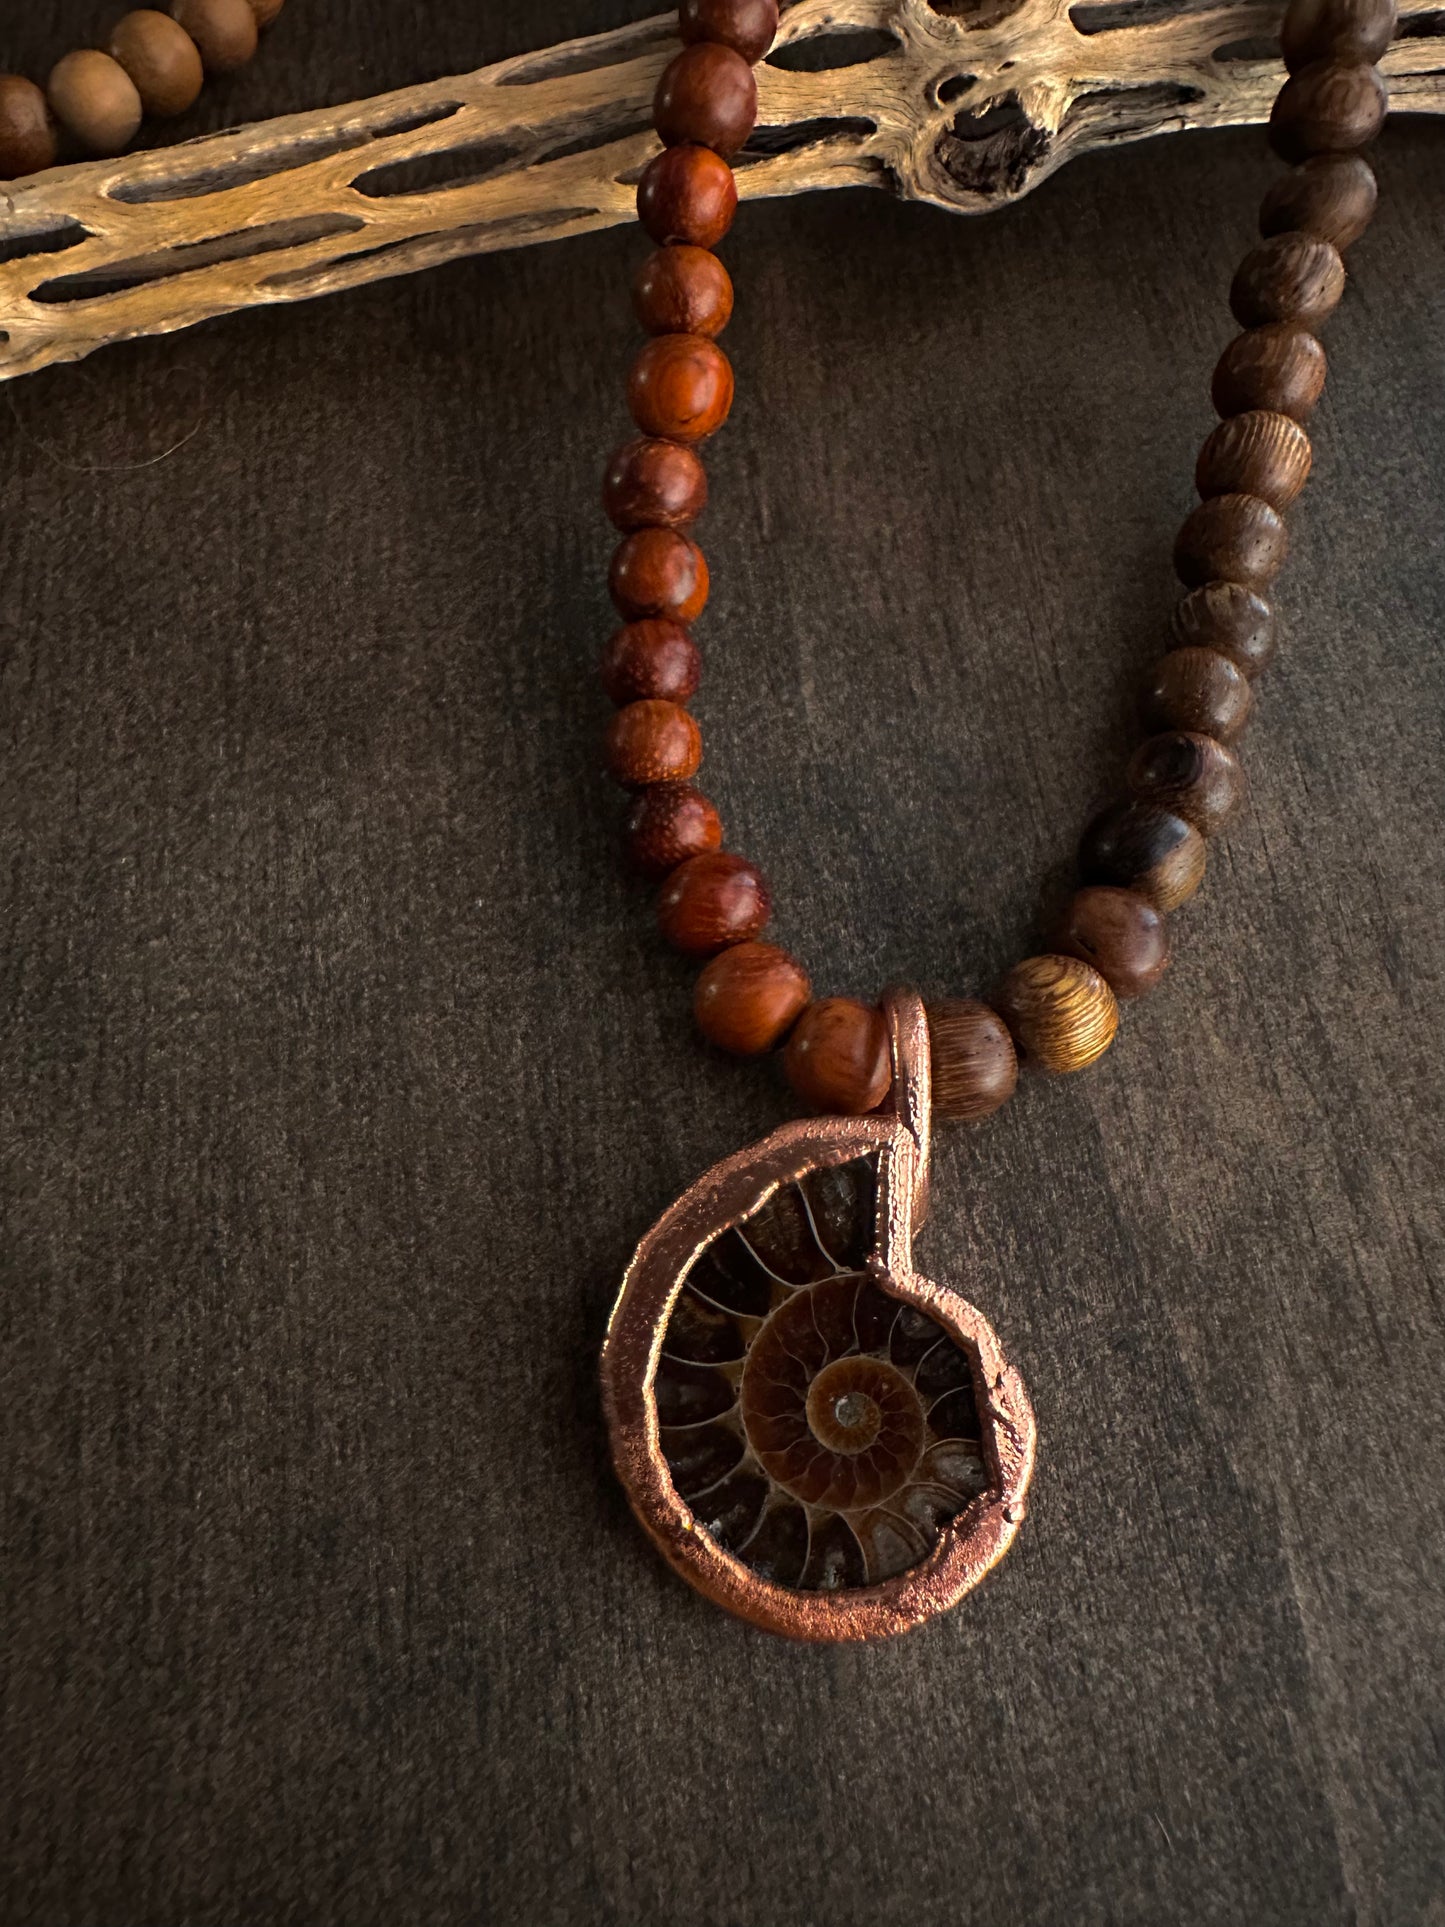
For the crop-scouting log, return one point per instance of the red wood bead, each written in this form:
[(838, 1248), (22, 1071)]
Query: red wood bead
[(1332, 196), (837, 1057), (687, 194), (1231, 538), (651, 659), (1229, 618), (1331, 107), (658, 572), (1117, 931), (1290, 277), (975, 1066), (1336, 30), (680, 388), (668, 823), (652, 742), (1192, 774), (749, 997), (1198, 690), (683, 291), (706, 96), (654, 484), (712, 901), (747, 26), (1280, 366)]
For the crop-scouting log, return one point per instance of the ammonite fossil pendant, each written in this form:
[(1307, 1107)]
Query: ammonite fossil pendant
[(815, 1436)]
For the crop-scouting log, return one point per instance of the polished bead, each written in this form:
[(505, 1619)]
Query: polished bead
[(1231, 538), (654, 484), (1279, 366), (707, 96), (680, 388), (1139, 846), (1199, 690), (975, 1066), (265, 10), (27, 130), (1230, 618), (1119, 933), (1260, 453), (1062, 1014), (162, 60), (747, 26), (749, 997), (711, 901), (1336, 30), (1290, 277), (837, 1057), (653, 658), (224, 30), (1332, 107), (683, 290), (1191, 774), (668, 823), (652, 742), (687, 194), (658, 572), (95, 99), (1332, 196)]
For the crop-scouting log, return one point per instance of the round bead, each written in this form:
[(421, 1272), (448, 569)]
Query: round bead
[(1332, 107), (652, 742), (668, 823), (680, 388), (161, 58), (1230, 618), (1290, 277), (1332, 196), (654, 484), (1119, 933), (975, 1065), (1231, 538), (1139, 846), (1259, 453), (27, 132), (711, 901), (837, 1057), (683, 291), (95, 99), (1280, 366), (707, 96), (1198, 690), (747, 26), (749, 997), (224, 30), (266, 10), (652, 659), (1336, 30), (687, 194), (1062, 1014), (658, 572), (1193, 775)]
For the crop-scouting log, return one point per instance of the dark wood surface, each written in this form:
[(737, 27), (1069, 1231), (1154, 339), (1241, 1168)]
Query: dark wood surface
[(342, 1069)]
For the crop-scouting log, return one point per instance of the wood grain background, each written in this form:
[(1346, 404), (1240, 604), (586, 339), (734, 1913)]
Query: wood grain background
[(341, 1070)]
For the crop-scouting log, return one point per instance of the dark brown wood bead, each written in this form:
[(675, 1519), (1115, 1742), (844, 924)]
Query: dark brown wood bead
[(749, 997), (652, 742), (712, 901), (837, 1057), (95, 100), (224, 30), (265, 10), (1290, 277), (1230, 618), (747, 26), (653, 484), (162, 60), (1336, 30), (1140, 846), (707, 96), (651, 660), (1231, 538), (668, 823), (1260, 453), (27, 130), (1191, 774), (680, 388), (1198, 690), (1331, 196), (1062, 1014), (683, 291), (975, 1065), (1332, 107), (1280, 366), (1119, 933), (687, 194), (658, 572)]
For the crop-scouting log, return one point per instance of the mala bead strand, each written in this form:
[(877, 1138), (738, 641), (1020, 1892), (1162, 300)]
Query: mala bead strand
[(749, 997)]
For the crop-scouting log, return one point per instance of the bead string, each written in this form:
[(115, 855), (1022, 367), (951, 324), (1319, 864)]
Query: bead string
[(1145, 855)]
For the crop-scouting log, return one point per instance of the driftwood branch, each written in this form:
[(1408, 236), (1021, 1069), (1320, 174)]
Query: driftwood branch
[(964, 103)]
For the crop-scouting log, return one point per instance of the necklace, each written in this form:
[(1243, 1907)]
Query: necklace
[(814, 1435)]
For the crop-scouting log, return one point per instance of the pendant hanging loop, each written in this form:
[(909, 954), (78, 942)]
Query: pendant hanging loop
[(912, 1094)]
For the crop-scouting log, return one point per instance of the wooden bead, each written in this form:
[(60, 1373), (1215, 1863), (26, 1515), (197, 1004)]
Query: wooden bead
[(95, 99), (747, 26), (161, 58), (680, 388), (1332, 107), (1336, 30), (1280, 366), (654, 484), (749, 997), (837, 1057), (652, 742), (1119, 933), (1290, 277), (683, 291), (224, 31), (27, 132), (659, 572), (1062, 1014), (266, 10), (1332, 196), (1260, 453), (1230, 618), (1199, 690), (1139, 846), (712, 901), (975, 1065), (651, 660), (668, 823), (1231, 538), (687, 194), (1191, 774), (706, 96)]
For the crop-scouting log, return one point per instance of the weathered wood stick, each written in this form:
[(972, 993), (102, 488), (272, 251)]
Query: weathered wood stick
[(964, 103)]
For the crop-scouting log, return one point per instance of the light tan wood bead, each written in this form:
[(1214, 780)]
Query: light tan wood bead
[(975, 1065), (1261, 453), (161, 58), (95, 99), (1062, 1014), (224, 31)]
